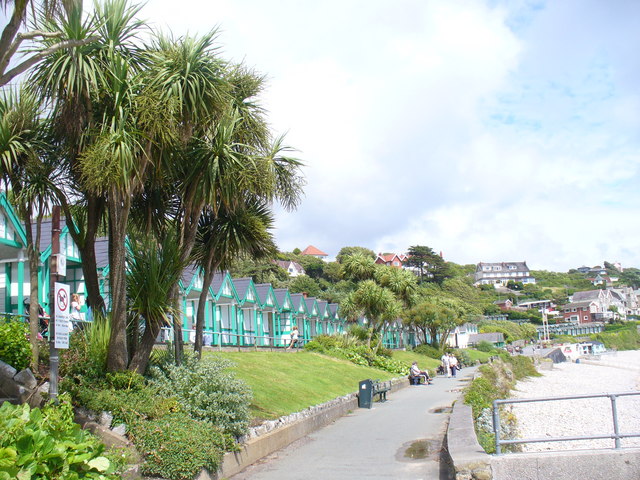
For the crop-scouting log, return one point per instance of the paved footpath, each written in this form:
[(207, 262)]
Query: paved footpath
[(376, 443)]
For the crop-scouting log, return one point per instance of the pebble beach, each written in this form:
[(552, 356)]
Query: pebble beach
[(612, 372)]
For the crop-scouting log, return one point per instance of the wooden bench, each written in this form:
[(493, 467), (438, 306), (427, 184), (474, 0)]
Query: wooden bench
[(381, 389)]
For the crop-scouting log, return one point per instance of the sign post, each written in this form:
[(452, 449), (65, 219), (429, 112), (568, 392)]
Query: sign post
[(54, 360), (62, 301)]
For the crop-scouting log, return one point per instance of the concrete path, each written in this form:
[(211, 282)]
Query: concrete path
[(376, 443)]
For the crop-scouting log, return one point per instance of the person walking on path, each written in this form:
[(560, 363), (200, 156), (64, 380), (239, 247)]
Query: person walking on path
[(453, 364), (446, 366)]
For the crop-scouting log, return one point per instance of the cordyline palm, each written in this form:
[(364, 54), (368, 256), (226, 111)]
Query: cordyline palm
[(27, 171), (377, 304), (401, 282), (79, 86), (115, 164), (240, 230), (359, 267), (155, 267)]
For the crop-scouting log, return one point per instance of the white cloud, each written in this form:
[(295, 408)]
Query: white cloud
[(489, 130)]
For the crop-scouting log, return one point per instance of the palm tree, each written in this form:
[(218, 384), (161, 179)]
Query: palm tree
[(373, 302), (11, 40), (75, 87), (241, 230), (155, 267), (359, 267), (28, 172)]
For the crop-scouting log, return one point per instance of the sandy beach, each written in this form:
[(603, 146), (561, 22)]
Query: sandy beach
[(613, 373)]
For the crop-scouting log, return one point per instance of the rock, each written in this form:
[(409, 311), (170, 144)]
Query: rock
[(120, 429), (7, 371), (105, 419), (26, 379)]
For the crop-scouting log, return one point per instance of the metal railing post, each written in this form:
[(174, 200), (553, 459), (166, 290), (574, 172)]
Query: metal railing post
[(496, 426), (614, 412)]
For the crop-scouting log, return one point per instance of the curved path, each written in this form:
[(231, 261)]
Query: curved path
[(399, 439)]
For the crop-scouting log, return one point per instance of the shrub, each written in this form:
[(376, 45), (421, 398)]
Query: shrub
[(429, 351), (127, 406), (42, 444), (208, 391), (177, 447), (485, 346), (495, 382), (15, 348)]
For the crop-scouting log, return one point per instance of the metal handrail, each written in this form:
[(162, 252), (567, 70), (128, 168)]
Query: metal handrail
[(616, 435)]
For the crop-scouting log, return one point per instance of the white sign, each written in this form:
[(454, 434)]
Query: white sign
[(61, 264), (62, 302)]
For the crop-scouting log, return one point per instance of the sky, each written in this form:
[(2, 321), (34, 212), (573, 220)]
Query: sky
[(489, 130)]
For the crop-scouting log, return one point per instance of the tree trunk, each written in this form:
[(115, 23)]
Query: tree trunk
[(140, 359), (177, 325), (34, 320), (119, 205), (86, 242), (207, 279)]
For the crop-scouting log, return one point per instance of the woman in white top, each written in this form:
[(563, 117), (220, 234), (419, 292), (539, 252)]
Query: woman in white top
[(76, 316), (294, 337)]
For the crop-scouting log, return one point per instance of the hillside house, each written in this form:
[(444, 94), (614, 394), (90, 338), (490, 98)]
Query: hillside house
[(294, 269), (501, 273), (314, 252), (390, 259)]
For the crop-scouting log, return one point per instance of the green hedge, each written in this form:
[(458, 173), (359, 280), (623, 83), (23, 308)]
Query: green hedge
[(15, 348)]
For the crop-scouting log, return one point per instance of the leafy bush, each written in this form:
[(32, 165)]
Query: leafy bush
[(14, 343), (429, 351), (43, 444), (127, 406), (496, 381), (485, 346), (208, 391), (177, 447)]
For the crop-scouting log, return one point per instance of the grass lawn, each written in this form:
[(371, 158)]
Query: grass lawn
[(424, 362), (288, 382), (285, 383)]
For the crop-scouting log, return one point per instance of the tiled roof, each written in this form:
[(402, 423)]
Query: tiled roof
[(311, 250)]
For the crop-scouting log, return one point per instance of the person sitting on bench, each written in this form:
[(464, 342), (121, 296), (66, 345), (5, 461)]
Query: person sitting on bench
[(417, 373)]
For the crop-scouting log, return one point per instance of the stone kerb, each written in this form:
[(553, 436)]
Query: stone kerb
[(469, 459)]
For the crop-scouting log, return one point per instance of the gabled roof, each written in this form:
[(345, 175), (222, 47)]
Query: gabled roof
[(222, 286), (188, 277), (245, 290), (333, 309), (311, 250), (323, 311), (284, 299), (299, 304), (266, 295), (586, 295), (285, 264), (312, 304)]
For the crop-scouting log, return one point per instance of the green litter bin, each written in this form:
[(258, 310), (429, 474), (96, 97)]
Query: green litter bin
[(365, 394)]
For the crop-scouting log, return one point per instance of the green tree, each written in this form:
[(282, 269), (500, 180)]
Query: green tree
[(358, 266), (376, 304), (11, 40), (348, 251), (222, 236), (28, 170), (430, 265)]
